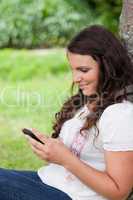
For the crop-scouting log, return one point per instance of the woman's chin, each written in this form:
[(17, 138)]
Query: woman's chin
[(87, 93)]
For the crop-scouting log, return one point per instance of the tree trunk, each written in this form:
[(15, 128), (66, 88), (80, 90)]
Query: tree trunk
[(126, 33), (126, 25)]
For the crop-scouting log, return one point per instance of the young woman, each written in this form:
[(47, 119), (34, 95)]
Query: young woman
[(90, 153)]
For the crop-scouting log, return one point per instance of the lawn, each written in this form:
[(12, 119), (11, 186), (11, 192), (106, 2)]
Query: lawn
[(29, 101)]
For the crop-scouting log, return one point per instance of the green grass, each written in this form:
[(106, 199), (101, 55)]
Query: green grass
[(28, 103), (24, 64)]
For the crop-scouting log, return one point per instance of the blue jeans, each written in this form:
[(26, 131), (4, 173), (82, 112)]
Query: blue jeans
[(26, 185)]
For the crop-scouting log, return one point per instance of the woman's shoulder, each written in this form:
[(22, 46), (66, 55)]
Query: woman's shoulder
[(117, 113), (116, 126), (118, 109)]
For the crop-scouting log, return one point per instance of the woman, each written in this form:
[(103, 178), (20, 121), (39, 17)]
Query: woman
[(90, 153)]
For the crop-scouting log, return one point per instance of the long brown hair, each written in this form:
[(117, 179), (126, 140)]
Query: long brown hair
[(116, 75)]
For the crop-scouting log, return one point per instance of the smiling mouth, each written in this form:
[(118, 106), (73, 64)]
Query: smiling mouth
[(83, 86)]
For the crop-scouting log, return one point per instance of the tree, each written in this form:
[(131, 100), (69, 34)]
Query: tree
[(126, 25), (126, 33)]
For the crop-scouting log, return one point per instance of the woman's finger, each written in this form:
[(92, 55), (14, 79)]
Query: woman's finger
[(39, 153), (34, 143), (40, 136)]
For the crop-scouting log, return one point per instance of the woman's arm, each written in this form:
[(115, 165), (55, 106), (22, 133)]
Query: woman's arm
[(114, 183)]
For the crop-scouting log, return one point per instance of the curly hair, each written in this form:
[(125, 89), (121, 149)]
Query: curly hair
[(115, 81)]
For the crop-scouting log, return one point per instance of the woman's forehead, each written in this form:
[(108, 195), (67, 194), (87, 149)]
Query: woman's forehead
[(78, 60)]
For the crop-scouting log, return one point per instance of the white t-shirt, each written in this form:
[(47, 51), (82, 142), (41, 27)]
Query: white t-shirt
[(115, 133)]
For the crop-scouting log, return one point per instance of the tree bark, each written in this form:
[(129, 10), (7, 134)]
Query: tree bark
[(126, 26), (126, 34)]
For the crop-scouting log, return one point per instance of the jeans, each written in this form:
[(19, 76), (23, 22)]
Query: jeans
[(26, 185)]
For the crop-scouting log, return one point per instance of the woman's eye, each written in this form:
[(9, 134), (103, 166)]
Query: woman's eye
[(84, 70)]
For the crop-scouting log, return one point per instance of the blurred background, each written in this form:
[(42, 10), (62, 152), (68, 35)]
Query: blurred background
[(34, 73)]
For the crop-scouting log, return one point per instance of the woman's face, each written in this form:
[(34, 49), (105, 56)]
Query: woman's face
[(85, 72)]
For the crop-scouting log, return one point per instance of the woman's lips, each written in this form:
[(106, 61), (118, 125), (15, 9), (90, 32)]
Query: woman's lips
[(83, 86)]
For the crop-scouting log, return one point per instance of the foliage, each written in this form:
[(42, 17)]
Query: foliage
[(42, 23), (108, 12)]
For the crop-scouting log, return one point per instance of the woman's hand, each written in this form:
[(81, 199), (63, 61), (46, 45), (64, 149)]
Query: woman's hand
[(53, 149)]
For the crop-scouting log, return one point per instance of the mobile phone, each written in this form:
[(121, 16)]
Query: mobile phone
[(31, 134)]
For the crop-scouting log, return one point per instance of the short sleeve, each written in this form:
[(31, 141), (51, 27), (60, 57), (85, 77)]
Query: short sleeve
[(116, 127)]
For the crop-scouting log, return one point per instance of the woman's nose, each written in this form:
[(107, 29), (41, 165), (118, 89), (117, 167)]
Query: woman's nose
[(77, 79)]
